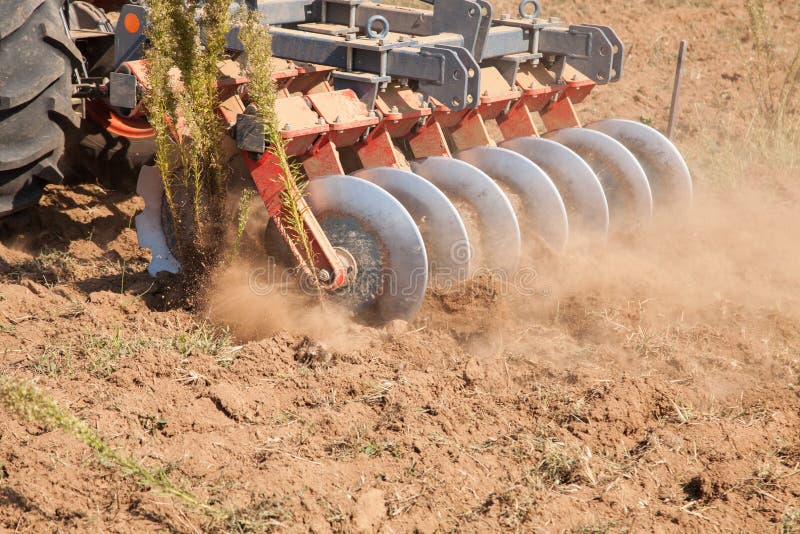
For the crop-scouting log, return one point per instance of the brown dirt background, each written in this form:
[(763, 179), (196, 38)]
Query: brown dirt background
[(647, 386)]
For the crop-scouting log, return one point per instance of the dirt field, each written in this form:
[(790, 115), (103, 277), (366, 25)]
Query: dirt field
[(646, 386)]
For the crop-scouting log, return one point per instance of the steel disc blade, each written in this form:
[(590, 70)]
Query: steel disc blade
[(483, 204), (630, 202), (437, 218), (666, 169), (580, 188), (543, 209), (149, 229), (379, 233)]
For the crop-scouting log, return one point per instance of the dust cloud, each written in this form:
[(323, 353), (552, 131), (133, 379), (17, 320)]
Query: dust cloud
[(734, 253), (733, 249), (256, 299)]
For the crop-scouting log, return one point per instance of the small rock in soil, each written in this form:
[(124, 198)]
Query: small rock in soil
[(312, 353)]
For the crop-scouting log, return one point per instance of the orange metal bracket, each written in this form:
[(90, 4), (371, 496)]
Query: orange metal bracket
[(560, 114), (266, 173)]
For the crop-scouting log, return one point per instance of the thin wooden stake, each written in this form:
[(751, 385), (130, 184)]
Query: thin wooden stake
[(676, 90)]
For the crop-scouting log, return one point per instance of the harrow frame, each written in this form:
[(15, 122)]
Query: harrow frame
[(391, 87)]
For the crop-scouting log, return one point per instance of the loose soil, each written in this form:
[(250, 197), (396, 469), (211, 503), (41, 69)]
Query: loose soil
[(650, 385)]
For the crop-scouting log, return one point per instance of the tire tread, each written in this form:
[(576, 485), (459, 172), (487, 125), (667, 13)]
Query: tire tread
[(35, 99)]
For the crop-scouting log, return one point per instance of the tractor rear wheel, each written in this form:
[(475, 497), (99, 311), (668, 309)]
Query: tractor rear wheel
[(36, 59)]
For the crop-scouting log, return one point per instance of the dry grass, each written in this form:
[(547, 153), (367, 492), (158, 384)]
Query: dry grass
[(774, 71), (361, 440), (768, 130), (202, 339), (100, 354), (28, 403), (182, 105), (791, 520), (104, 352), (262, 92), (378, 394), (243, 213), (262, 516)]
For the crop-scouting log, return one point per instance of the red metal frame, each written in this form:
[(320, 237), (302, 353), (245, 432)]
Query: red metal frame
[(102, 115), (267, 174), (318, 119)]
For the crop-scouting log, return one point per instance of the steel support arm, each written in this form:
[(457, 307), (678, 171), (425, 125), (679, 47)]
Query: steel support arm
[(446, 73), (596, 51)]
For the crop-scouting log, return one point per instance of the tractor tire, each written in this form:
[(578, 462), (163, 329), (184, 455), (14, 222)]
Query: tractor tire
[(36, 61), (113, 160)]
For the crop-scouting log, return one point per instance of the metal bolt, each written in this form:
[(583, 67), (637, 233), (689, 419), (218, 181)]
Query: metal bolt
[(574, 77), (401, 38), (372, 114), (395, 110), (349, 37), (505, 16), (321, 121), (287, 126), (324, 276)]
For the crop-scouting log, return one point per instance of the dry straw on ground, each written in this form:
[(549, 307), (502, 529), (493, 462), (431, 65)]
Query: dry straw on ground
[(29, 403)]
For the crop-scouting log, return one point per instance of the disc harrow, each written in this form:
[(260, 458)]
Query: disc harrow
[(438, 144)]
